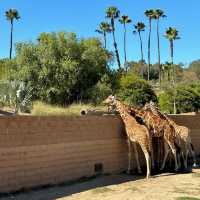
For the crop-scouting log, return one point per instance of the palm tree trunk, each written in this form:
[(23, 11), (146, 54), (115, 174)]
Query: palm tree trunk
[(173, 79), (141, 47), (125, 60), (105, 42), (158, 39), (115, 44), (172, 59), (11, 39), (149, 51), (142, 56)]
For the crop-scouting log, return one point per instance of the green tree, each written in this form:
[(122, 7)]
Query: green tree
[(124, 20), (100, 91), (11, 15), (195, 67), (113, 13), (150, 15), (59, 68), (187, 98), (135, 90), (103, 29), (157, 15)]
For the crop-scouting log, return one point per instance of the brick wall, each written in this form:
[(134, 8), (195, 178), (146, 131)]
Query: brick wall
[(192, 122), (38, 151)]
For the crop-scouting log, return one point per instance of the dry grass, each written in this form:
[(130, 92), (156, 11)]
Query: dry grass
[(43, 109)]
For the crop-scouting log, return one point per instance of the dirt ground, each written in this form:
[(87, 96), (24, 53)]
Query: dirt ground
[(122, 187)]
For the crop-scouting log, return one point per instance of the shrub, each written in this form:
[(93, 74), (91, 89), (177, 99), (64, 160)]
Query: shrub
[(135, 90), (100, 91), (187, 98)]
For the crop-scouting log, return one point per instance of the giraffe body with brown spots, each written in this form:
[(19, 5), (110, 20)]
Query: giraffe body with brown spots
[(159, 127), (136, 133), (183, 138)]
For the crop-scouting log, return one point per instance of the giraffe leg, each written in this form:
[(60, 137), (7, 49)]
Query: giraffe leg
[(179, 159), (129, 156), (186, 158), (166, 152), (152, 153), (191, 150), (173, 149), (137, 158), (147, 157)]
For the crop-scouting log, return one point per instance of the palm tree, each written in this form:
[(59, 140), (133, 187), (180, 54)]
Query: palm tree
[(11, 15), (172, 35), (113, 13), (150, 15), (157, 15), (125, 20), (139, 27), (103, 29)]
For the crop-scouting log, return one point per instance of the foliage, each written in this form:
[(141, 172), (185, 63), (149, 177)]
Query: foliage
[(60, 68), (195, 67), (187, 98), (3, 70), (12, 14), (135, 91), (125, 19), (171, 34), (100, 91)]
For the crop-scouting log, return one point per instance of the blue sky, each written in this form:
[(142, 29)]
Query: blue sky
[(83, 17)]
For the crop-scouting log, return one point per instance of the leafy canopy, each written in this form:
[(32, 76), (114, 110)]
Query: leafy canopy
[(59, 67), (135, 90)]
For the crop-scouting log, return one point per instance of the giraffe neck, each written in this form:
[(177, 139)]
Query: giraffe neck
[(140, 113), (123, 111)]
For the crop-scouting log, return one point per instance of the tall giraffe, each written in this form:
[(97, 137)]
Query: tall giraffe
[(159, 127), (136, 132), (183, 133)]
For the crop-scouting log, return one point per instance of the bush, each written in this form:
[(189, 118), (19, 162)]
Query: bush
[(100, 91), (187, 99), (135, 90)]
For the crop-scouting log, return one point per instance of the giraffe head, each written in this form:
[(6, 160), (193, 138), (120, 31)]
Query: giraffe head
[(110, 100)]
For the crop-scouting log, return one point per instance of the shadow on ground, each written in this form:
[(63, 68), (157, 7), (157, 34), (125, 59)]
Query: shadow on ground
[(66, 189)]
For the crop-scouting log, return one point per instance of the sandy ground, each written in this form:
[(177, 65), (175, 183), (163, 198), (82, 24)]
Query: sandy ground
[(123, 187)]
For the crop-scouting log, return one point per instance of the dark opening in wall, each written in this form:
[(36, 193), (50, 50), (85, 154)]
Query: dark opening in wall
[(98, 168)]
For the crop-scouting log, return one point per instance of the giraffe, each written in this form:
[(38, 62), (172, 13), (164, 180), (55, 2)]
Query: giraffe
[(159, 127), (136, 133), (183, 136)]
